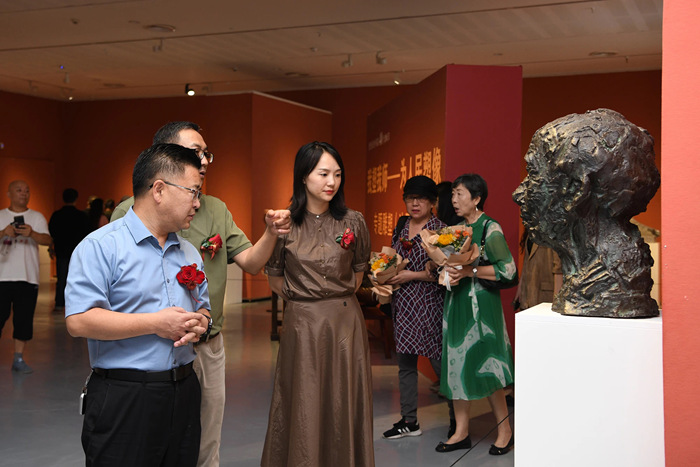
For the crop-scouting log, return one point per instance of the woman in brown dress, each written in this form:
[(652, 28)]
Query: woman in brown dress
[(321, 411)]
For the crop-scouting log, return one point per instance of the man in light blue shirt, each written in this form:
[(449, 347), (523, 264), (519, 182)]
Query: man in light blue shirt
[(136, 292)]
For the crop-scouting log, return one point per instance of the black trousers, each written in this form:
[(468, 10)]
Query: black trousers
[(141, 424), (61, 278), (20, 297)]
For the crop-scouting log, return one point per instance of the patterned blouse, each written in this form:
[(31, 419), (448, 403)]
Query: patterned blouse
[(417, 305)]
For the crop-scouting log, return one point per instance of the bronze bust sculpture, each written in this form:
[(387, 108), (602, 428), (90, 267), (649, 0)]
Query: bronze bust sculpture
[(588, 174)]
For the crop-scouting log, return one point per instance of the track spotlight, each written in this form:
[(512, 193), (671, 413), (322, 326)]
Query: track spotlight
[(66, 78), (380, 60), (347, 63), (188, 90), (397, 81)]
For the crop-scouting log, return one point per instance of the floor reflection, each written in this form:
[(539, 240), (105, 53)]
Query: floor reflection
[(40, 424)]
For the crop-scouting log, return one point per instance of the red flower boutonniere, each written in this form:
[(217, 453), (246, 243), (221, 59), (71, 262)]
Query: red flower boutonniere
[(346, 239), (212, 245), (190, 276), (406, 243)]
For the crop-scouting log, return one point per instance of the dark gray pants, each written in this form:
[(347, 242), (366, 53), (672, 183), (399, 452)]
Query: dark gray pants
[(408, 385)]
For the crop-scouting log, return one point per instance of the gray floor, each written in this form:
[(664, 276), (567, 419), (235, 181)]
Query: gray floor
[(40, 425)]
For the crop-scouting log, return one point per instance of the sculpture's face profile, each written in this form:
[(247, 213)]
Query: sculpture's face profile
[(540, 207)]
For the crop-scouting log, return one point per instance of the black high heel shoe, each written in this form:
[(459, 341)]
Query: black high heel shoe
[(466, 443), (496, 451)]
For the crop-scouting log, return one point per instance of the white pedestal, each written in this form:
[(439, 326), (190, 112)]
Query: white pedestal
[(588, 391)]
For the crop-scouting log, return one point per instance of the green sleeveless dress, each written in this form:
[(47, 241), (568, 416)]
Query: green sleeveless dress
[(477, 358)]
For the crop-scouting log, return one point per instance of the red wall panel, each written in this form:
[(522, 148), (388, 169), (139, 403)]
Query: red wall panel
[(400, 136), (483, 136), (680, 221)]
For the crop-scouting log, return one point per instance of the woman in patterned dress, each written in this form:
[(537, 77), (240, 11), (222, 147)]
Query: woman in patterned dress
[(417, 305), (321, 410), (477, 359)]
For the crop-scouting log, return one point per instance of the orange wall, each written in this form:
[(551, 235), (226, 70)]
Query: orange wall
[(279, 129), (350, 108), (31, 139), (104, 138), (94, 144), (245, 132), (680, 221)]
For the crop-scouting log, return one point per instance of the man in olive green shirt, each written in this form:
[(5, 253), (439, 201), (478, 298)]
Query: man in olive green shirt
[(211, 219)]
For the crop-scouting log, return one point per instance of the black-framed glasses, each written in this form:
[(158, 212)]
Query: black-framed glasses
[(195, 192), (412, 198), (204, 154)]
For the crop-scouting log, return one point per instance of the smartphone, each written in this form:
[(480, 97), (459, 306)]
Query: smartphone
[(19, 221)]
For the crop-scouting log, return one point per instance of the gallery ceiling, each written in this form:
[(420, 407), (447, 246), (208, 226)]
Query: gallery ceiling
[(118, 49)]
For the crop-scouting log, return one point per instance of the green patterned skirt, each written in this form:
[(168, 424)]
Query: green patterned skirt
[(477, 358)]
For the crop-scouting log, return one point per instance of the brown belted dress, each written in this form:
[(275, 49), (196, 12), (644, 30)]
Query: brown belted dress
[(321, 410)]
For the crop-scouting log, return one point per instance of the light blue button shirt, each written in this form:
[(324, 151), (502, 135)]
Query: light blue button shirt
[(121, 267)]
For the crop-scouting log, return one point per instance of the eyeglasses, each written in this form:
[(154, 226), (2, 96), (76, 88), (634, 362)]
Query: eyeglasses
[(195, 193), (204, 154), (412, 198)]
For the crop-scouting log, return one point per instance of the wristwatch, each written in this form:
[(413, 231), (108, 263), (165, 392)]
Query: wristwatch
[(474, 271), (205, 334)]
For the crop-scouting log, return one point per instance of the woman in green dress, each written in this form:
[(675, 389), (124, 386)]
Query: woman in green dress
[(477, 359)]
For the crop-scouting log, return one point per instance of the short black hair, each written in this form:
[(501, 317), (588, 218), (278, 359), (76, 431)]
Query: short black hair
[(445, 211), (476, 185), (306, 159), (70, 195), (170, 132), (160, 160)]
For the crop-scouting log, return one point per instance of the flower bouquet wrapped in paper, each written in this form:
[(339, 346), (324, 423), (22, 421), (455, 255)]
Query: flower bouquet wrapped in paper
[(383, 266), (450, 246)]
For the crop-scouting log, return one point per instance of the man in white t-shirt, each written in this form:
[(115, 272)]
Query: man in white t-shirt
[(19, 267)]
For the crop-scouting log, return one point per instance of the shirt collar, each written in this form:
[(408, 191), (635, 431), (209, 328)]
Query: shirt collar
[(140, 232)]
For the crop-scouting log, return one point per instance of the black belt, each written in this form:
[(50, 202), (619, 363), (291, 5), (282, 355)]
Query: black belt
[(140, 376)]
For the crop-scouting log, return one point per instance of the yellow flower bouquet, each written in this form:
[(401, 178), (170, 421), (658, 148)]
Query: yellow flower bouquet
[(383, 266), (450, 246)]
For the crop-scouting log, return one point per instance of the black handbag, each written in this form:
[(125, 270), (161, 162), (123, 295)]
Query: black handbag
[(489, 284)]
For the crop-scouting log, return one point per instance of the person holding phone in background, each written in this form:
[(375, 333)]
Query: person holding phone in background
[(25, 229)]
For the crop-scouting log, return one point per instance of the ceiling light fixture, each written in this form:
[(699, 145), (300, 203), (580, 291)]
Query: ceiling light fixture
[(347, 63), (158, 47), (66, 78), (188, 90), (380, 60), (397, 81), (159, 28), (602, 54)]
